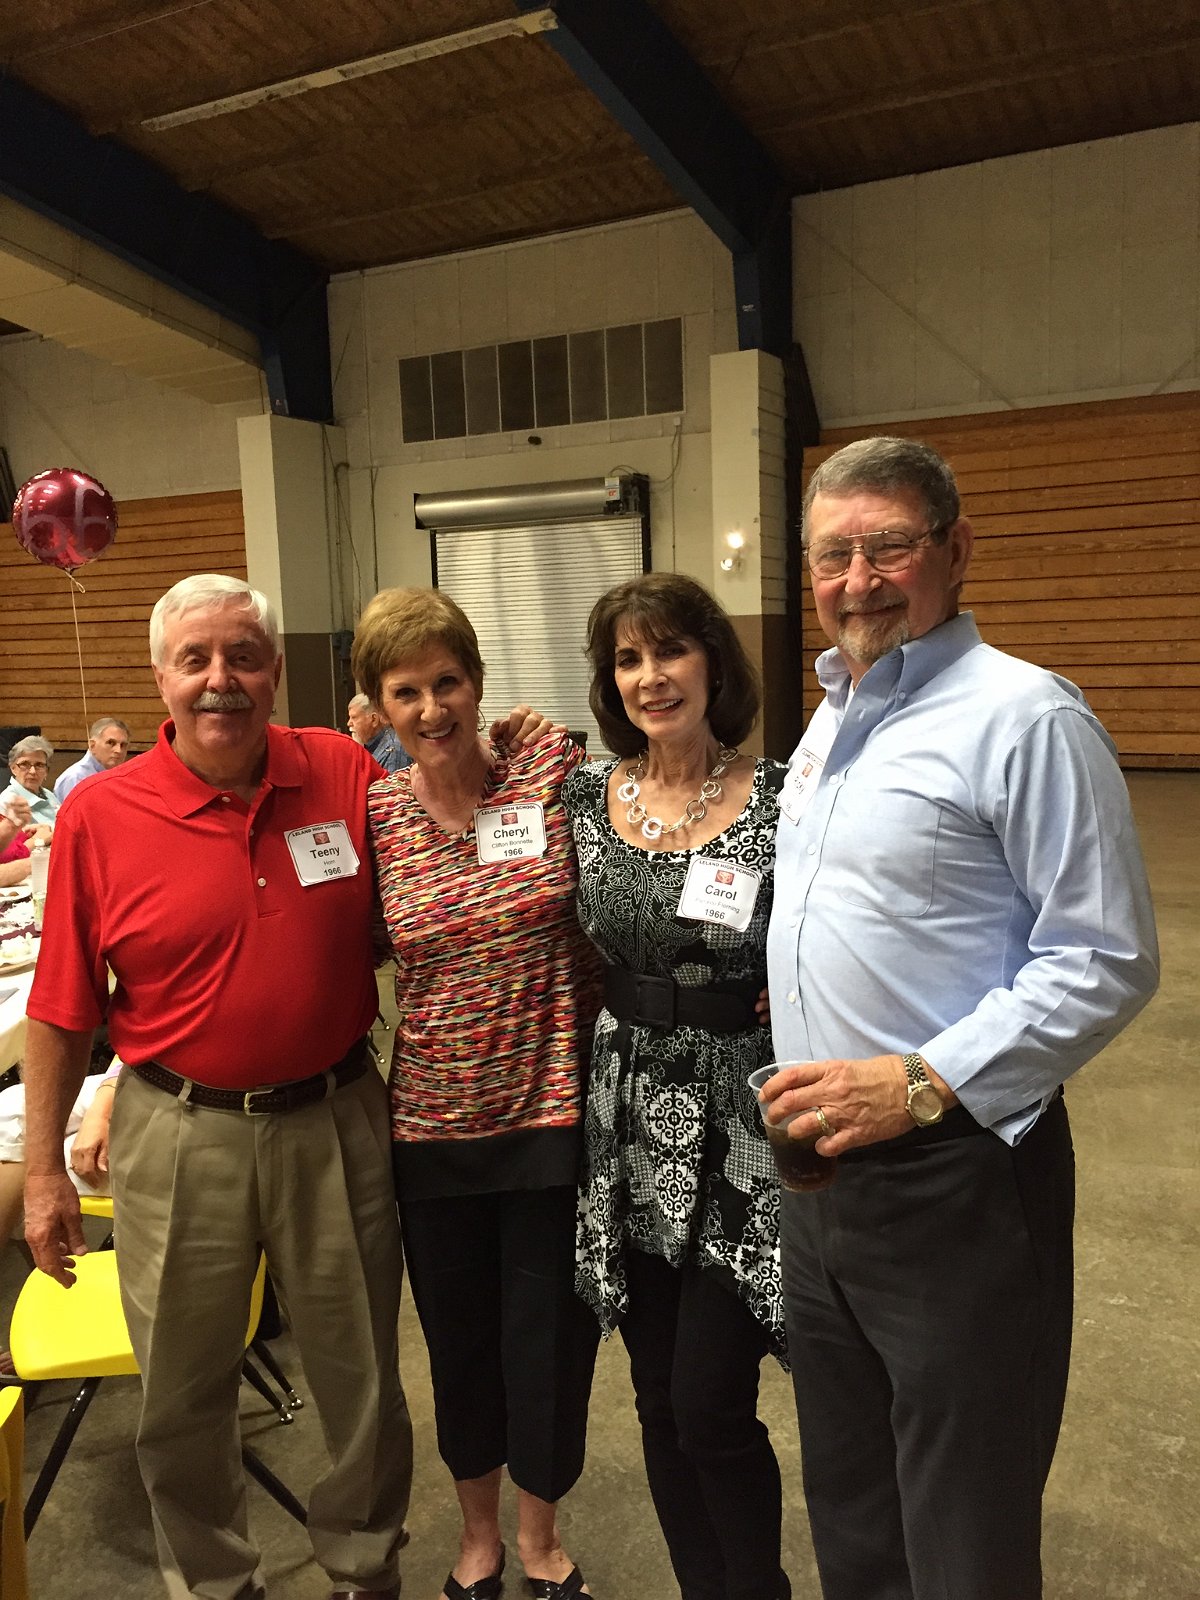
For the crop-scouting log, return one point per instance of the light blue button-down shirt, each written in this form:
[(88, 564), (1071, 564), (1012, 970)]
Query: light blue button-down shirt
[(42, 804), (965, 880), (86, 767)]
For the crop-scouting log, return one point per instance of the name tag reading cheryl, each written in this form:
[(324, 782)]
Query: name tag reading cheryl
[(510, 833), (803, 776), (719, 891), (322, 851)]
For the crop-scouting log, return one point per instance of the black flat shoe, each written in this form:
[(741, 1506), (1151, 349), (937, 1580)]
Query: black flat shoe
[(547, 1589), (482, 1589)]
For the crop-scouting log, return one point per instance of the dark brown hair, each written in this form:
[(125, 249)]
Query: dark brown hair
[(665, 605)]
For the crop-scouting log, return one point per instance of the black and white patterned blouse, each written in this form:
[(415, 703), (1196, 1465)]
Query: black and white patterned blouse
[(675, 1159)]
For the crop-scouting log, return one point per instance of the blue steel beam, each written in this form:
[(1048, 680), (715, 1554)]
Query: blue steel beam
[(640, 72), (126, 204)]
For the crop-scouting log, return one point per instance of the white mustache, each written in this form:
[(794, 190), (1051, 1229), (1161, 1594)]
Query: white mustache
[(863, 610), (211, 701)]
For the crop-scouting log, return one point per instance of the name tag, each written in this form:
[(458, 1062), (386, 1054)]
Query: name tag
[(322, 851), (719, 891), (510, 833), (800, 784)]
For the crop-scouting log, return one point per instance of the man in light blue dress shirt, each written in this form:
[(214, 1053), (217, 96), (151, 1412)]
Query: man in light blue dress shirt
[(961, 921), (108, 745)]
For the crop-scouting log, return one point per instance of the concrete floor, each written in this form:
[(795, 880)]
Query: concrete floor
[(1121, 1507)]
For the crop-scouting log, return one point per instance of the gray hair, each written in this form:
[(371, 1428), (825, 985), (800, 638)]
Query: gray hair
[(204, 591), (27, 746), (360, 702), (887, 465), (98, 727)]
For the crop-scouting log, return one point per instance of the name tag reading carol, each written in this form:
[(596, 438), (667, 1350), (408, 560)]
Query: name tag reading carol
[(719, 891), (510, 833), (322, 851)]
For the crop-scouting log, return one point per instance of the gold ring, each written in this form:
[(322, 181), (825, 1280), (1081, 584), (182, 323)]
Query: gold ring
[(827, 1128)]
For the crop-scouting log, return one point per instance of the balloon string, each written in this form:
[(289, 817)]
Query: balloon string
[(79, 648)]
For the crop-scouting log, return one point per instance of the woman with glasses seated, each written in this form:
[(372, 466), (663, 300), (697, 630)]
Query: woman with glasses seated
[(29, 763)]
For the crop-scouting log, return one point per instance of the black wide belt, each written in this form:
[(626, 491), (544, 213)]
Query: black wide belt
[(660, 1003), (260, 1102)]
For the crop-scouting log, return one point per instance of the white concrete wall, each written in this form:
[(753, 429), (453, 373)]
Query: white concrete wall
[(668, 266), (1063, 275), (61, 408), (749, 492)]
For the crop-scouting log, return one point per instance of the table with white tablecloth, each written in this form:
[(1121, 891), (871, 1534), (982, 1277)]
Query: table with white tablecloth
[(15, 987)]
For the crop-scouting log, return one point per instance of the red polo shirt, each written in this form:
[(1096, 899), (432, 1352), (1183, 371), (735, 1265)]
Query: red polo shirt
[(228, 969)]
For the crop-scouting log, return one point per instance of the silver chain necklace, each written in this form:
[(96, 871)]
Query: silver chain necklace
[(629, 794)]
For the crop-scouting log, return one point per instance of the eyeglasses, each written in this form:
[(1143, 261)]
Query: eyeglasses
[(31, 766), (886, 551)]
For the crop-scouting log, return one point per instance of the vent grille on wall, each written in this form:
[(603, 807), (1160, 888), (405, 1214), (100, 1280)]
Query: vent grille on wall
[(631, 371)]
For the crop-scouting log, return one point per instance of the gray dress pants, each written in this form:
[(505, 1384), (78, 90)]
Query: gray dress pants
[(929, 1299)]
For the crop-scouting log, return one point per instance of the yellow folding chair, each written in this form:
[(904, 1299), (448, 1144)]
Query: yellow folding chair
[(13, 1577), (80, 1333)]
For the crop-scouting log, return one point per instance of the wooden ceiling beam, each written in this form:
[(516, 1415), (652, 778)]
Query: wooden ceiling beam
[(25, 36), (345, 142), (595, 165), (815, 25), (1012, 72)]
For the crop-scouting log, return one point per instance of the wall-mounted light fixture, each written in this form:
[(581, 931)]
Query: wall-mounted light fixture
[(735, 543)]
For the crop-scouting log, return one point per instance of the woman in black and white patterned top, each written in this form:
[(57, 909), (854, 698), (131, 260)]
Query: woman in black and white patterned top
[(678, 1218)]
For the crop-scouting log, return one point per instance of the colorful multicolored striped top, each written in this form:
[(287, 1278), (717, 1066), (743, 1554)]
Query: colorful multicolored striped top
[(497, 989)]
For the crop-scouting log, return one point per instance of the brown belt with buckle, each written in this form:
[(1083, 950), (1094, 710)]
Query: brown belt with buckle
[(260, 1102)]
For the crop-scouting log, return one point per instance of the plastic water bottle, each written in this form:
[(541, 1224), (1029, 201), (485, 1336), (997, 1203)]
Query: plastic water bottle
[(39, 868)]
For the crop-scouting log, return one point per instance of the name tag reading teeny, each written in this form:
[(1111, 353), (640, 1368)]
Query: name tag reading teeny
[(322, 851), (798, 787), (510, 833), (719, 891)]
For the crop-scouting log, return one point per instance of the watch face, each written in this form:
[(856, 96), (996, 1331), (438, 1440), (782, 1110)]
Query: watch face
[(924, 1104)]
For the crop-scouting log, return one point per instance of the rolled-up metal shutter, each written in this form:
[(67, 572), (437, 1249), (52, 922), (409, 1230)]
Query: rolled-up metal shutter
[(526, 565)]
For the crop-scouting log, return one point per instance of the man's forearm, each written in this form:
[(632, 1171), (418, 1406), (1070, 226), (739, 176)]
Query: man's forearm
[(56, 1061)]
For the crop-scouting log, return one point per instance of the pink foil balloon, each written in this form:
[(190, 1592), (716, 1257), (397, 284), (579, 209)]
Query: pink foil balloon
[(64, 518)]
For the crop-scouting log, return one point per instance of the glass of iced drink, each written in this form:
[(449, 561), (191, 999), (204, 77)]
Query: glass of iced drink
[(800, 1168)]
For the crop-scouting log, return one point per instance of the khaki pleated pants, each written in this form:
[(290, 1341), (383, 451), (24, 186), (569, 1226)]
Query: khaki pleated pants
[(196, 1193)]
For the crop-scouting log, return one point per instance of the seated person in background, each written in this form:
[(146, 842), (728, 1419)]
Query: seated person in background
[(29, 763), (369, 728), (14, 854), (85, 1147), (108, 745), (17, 832)]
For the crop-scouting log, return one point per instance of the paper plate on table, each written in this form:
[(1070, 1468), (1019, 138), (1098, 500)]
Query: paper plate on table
[(17, 892), (24, 965)]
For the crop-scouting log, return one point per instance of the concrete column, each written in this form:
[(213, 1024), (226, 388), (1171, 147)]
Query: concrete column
[(749, 463), (289, 499)]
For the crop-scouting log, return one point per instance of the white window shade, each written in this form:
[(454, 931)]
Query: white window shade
[(528, 591)]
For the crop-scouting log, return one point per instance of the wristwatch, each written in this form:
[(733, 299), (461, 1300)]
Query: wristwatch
[(924, 1104)]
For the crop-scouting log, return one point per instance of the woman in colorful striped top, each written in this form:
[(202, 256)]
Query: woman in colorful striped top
[(497, 991)]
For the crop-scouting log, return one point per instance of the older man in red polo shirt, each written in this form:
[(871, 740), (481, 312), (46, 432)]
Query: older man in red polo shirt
[(225, 881)]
